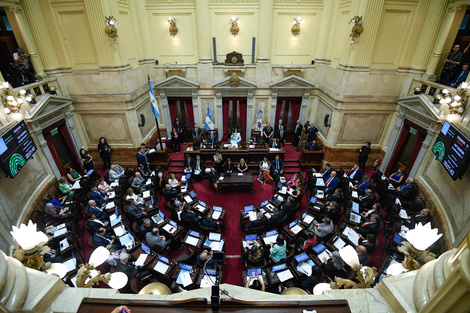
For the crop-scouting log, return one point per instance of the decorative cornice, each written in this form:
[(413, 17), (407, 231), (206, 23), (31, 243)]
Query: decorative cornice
[(169, 1), (234, 1), (298, 1)]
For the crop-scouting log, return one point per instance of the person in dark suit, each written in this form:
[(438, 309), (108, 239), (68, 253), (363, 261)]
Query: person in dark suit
[(277, 168), (141, 158), (209, 223), (125, 267), (368, 199), (363, 185), (369, 227), (98, 196), (170, 193), (175, 140), (213, 140), (259, 222), (312, 146), (190, 215), (98, 211), (312, 133), (146, 227), (422, 217), (228, 166), (274, 144), (197, 132), (277, 128), (297, 135), (94, 224), (289, 205), (364, 155), (314, 279), (133, 210), (214, 178), (281, 135), (100, 239), (179, 127), (275, 217), (268, 132), (331, 182), (406, 189), (327, 171), (361, 254), (356, 174), (336, 196), (199, 168), (188, 164), (332, 211)]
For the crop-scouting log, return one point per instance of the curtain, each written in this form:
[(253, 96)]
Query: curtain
[(75, 159), (404, 133), (295, 107), (189, 111), (414, 155), (172, 108), (50, 145), (278, 110), (243, 106), (225, 109)]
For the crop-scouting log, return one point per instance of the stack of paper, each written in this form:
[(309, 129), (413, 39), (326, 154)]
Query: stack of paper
[(60, 226), (354, 194), (188, 199), (305, 268), (169, 229), (119, 231), (71, 264), (207, 281), (161, 267), (184, 278), (111, 195), (252, 215), (316, 175), (324, 255), (221, 178), (146, 194), (352, 235), (403, 214), (285, 275), (192, 241), (216, 215), (64, 244), (268, 240), (110, 205), (76, 185), (339, 243), (296, 229), (283, 190), (149, 182), (115, 221), (114, 184), (217, 245), (308, 219), (141, 259), (200, 208), (59, 232)]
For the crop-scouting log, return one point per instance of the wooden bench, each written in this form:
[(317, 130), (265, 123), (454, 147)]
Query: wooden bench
[(159, 158), (310, 159)]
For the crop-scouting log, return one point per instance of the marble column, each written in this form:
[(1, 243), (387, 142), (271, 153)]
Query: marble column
[(16, 17), (303, 107), (166, 113), (441, 40), (430, 30), (203, 34), (220, 116), (249, 114), (393, 140), (148, 56), (265, 36), (196, 109), (273, 108), (421, 154), (40, 33)]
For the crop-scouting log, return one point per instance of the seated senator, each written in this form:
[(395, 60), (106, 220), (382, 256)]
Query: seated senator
[(278, 249), (242, 166), (229, 166), (146, 227), (94, 223), (138, 182), (277, 167), (53, 213), (174, 183), (154, 240), (334, 266), (292, 183), (275, 217), (131, 195), (103, 186), (254, 256), (264, 167), (210, 224), (260, 221), (72, 175), (363, 185), (98, 196), (98, 211), (406, 189), (396, 178), (189, 214), (214, 178), (331, 182), (101, 239), (115, 172), (369, 227), (133, 210), (235, 138), (274, 144), (314, 279), (64, 186), (356, 173)]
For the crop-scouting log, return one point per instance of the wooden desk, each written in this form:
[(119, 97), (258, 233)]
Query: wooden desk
[(159, 158), (171, 267), (237, 180), (251, 155), (310, 159), (194, 276)]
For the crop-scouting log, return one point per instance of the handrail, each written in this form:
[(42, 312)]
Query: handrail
[(42, 87)]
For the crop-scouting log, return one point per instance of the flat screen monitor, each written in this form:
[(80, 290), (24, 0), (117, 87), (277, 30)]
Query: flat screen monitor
[(163, 259), (186, 267), (253, 271), (301, 257), (271, 233), (319, 248), (217, 208), (215, 236), (192, 194), (251, 237), (145, 248), (172, 223), (279, 267), (264, 203), (313, 200), (397, 239), (249, 208), (202, 203), (194, 233)]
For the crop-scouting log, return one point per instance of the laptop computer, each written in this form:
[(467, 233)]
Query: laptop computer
[(215, 237), (192, 194), (271, 233), (313, 200), (202, 203), (249, 208), (264, 203), (319, 248), (145, 248), (397, 239), (217, 208), (251, 237), (301, 257), (252, 271), (186, 267), (278, 268), (194, 233), (163, 259)]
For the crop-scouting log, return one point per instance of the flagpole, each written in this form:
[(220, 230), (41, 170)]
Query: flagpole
[(158, 128)]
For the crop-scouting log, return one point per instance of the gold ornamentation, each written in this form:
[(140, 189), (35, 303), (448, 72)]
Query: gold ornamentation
[(234, 29), (172, 29), (365, 277), (414, 258), (357, 28), (32, 258), (110, 28), (84, 273), (234, 80)]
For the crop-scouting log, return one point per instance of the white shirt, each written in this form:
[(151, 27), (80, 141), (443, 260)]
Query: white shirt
[(265, 165), (173, 182)]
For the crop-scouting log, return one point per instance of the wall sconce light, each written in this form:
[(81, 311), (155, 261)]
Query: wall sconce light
[(458, 101), (357, 28), (88, 276), (234, 29), (32, 245), (12, 102), (296, 28), (110, 28), (173, 29)]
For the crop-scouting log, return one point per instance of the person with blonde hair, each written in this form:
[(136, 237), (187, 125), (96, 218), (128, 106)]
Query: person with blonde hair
[(64, 186)]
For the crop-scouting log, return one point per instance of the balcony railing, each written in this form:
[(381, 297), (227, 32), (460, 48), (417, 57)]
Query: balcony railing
[(429, 88), (41, 87)]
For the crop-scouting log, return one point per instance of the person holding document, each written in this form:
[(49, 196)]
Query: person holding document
[(199, 168)]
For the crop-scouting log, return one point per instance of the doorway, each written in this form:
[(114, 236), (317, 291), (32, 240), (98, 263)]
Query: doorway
[(408, 146), (288, 110), (182, 107), (61, 147), (234, 115)]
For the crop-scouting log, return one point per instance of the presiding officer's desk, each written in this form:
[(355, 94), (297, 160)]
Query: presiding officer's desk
[(251, 155)]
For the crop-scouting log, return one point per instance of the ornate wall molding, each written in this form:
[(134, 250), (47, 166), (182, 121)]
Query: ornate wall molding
[(299, 1), (234, 1), (169, 1)]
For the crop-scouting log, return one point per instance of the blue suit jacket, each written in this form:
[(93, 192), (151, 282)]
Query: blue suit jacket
[(99, 241), (333, 184), (98, 196), (406, 189), (359, 174), (140, 159), (273, 166), (101, 215), (363, 185)]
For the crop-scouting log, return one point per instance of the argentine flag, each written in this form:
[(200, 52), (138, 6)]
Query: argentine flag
[(208, 125), (153, 102)]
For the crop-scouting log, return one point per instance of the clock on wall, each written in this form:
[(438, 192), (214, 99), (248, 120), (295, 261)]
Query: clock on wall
[(234, 58)]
